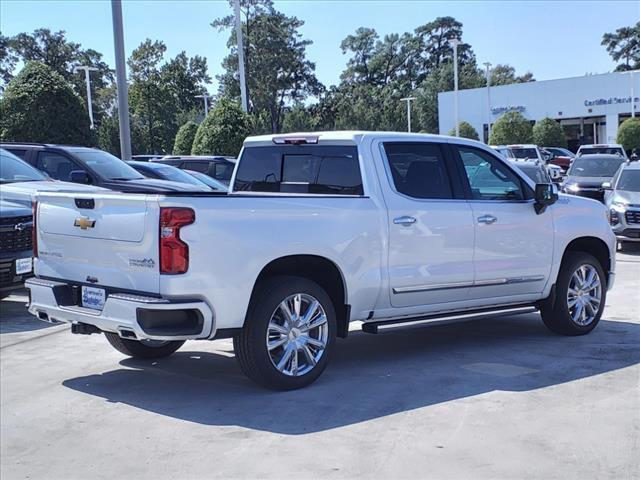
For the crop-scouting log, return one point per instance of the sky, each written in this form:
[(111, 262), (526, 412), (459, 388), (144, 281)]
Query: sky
[(552, 39)]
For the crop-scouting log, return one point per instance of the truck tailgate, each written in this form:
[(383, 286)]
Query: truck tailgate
[(107, 239)]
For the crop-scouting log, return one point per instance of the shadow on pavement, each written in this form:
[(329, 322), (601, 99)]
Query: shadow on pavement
[(14, 316), (371, 376)]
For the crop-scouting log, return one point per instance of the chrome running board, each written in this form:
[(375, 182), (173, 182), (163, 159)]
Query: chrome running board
[(449, 317)]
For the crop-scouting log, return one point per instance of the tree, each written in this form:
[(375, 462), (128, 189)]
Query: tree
[(223, 131), (512, 127), (624, 45), (547, 132), (629, 134), (298, 119), (506, 75), (54, 50), (8, 60), (466, 131), (150, 98), (278, 72), (185, 78), (39, 106), (184, 138)]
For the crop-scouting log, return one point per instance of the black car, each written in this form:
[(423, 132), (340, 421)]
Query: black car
[(587, 174), (217, 167), (167, 172), (15, 245), (89, 166)]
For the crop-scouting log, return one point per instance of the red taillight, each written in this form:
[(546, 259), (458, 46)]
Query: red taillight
[(34, 229), (174, 253)]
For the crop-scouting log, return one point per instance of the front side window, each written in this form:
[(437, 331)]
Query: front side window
[(106, 165), (314, 169), (196, 166), (223, 171), (489, 178), (56, 165), (418, 169)]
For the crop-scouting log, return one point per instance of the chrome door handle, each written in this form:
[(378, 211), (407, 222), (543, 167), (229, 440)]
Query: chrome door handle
[(404, 220), (487, 219)]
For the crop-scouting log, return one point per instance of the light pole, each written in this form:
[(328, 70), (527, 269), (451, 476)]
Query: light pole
[(454, 42), (488, 67), (121, 80), (408, 100), (633, 103), (87, 80), (243, 84), (206, 98)]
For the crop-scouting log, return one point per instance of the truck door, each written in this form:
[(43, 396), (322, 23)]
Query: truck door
[(431, 231)]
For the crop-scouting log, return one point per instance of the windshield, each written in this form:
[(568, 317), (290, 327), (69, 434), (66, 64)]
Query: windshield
[(106, 165), (595, 167), (524, 153), (12, 169), (168, 172), (629, 181), (207, 180), (601, 150)]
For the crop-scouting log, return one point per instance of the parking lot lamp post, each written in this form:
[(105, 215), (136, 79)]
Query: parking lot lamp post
[(633, 102), (408, 100), (243, 84), (121, 81), (87, 80), (206, 98), (488, 67), (454, 42)]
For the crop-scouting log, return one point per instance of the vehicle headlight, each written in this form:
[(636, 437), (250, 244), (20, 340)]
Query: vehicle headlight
[(572, 187), (620, 205)]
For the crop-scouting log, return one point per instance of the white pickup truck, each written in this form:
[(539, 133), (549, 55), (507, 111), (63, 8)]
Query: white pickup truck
[(316, 231)]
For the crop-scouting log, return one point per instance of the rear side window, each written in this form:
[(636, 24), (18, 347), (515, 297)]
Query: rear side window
[(18, 152), (202, 167), (317, 169), (222, 170), (418, 170)]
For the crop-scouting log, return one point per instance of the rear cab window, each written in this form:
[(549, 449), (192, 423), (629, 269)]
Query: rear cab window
[(300, 169)]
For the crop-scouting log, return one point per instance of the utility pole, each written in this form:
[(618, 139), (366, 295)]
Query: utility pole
[(408, 100), (243, 84), (454, 42), (488, 67), (633, 103), (87, 80), (206, 98), (121, 80)]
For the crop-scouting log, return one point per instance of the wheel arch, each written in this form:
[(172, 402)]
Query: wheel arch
[(318, 269), (593, 246)]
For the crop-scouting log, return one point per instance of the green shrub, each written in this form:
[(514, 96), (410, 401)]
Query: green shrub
[(466, 131), (184, 138), (549, 133), (40, 106), (223, 131), (510, 128), (629, 134)]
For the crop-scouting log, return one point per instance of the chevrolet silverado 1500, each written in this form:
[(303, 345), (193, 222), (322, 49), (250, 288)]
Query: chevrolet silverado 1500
[(317, 231)]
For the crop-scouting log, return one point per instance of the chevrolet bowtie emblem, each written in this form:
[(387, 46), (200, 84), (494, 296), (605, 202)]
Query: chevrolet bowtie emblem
[(84, 223)]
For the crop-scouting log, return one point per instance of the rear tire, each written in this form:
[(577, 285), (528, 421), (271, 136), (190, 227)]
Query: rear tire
[(289, 333), (579, 298), (142, 349)]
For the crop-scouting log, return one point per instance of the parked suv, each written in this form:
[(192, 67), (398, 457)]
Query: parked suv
[(318, 230), (588, 173), (602, 149), (622, 197), (217, 167), (89, 166)]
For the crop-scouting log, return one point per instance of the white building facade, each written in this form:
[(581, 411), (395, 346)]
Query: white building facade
[(589, 108)]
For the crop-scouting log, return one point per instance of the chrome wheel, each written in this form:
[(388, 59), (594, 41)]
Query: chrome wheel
[(584, 295), (297, 334)]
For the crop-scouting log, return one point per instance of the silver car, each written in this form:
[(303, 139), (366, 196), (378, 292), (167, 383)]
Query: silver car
[(622, 198)]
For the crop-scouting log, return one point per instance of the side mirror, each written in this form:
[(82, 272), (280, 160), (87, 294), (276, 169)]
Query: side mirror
[(79, 176), (545, 194), (606, 185)]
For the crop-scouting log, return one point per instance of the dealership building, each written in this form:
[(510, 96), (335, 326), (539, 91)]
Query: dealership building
[(589, 108)]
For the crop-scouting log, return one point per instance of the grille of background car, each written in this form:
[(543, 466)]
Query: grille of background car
[(632, 217), (13, 240)]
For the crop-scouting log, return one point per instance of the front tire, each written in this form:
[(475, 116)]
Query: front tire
[(289, 333), (579, 297), (142, 348)]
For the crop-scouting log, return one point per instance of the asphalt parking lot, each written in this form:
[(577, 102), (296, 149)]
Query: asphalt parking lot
[(498, 398)]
